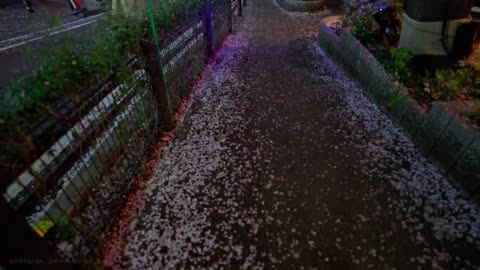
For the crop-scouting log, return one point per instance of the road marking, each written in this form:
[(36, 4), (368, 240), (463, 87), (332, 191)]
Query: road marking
[(64, 28)]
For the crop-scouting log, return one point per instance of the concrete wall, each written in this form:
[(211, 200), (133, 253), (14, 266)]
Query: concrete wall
[(442, 134)]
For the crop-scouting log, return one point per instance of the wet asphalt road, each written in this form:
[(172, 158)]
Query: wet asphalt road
[(24, 43), (16, 21), (282, 163)]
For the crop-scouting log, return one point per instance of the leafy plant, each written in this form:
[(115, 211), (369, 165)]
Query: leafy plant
[(460, 82), (444, 87), (401, 58), (448, 84), (394, 100), (73, 59), (399, 4), (358, 15), (65, 228), (74, 64), (42, 227)]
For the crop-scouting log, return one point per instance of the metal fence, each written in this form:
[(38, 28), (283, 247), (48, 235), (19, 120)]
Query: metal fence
[(61, 197)]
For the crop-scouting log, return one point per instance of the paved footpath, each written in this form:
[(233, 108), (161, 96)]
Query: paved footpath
[(282, 163)]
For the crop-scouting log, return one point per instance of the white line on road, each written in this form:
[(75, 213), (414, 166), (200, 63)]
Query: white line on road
[(63, 28)]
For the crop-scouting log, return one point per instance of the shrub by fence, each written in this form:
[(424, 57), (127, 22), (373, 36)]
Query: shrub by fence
[(71, 149)]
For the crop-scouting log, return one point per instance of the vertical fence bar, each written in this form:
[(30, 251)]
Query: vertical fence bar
[(158, 87), (244, 3), (209, 29), (239, 7), (159, 61), (79, 226), (230, 17)]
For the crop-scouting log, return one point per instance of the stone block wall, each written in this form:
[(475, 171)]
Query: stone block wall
[(442, 134)]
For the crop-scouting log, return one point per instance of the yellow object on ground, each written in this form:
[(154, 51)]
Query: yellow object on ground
[(42, 227)]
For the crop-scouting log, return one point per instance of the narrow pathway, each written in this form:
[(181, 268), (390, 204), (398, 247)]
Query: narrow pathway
[(283, 163)]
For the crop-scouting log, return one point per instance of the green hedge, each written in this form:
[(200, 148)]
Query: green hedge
[(68, 68), (77, 65)]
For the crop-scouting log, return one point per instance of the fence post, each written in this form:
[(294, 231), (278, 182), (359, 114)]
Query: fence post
[(244, 3), (158, 87), (239, 7), (230, 17), (20, 247), (209, 30)]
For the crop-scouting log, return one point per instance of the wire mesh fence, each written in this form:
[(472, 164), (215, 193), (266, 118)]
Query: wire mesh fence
[(70, 192), (85, 152), (184, 54)]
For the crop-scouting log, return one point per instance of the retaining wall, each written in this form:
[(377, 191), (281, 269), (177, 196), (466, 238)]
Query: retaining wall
[(442, 134)]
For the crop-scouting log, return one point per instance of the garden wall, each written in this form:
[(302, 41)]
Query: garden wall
[(442, 134)]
